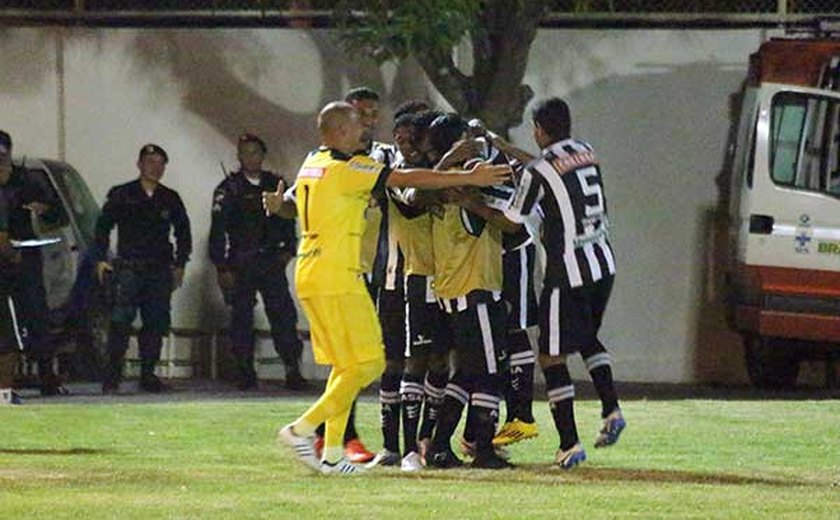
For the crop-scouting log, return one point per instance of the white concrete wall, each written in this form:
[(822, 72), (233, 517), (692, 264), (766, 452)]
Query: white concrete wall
[(29, 90), (654, 103)]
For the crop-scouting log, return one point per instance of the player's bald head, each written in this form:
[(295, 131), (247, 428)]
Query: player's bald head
[(340, 128), (334, 116)]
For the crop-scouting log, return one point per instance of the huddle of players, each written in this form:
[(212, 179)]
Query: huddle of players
[(455, 294)]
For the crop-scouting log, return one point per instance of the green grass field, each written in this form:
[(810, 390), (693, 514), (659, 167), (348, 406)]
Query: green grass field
[(219, 459)]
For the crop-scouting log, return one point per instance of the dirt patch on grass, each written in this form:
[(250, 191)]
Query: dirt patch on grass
[(678, 477), (20, 474), (548, 474), (53, 451)]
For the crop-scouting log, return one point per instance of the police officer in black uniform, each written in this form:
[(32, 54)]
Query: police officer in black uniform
[(8, 346), (250, 251), (146, 269), (9, 259), (24, 197)]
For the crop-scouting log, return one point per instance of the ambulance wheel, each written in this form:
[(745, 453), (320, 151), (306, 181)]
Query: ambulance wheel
[(772, 363)]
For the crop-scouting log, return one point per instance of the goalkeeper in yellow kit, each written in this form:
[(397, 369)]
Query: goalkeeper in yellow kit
[(331, 192)]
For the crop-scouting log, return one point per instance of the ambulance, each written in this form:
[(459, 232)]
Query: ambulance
[(784, 213)]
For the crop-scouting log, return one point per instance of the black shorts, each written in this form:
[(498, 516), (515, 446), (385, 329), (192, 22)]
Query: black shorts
[(518, 287), (571, 318), (425, 322), (390, 307), (479, 336)]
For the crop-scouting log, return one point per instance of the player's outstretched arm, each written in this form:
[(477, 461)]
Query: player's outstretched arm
[(478, 129), (510, 150), (461, 151), (482, 174), (473, 202)]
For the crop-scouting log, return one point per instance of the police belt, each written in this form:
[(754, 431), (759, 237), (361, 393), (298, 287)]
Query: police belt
[(246, 255), (141, 263)]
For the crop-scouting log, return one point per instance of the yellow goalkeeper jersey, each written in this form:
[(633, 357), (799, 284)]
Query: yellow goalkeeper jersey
[(333, 190)]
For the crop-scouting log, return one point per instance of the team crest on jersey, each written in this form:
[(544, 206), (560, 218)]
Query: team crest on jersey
[(311, 173)]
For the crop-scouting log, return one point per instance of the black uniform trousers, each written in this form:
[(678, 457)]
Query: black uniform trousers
[(147, 287), (30, 299), (8, 341), (264, 273)]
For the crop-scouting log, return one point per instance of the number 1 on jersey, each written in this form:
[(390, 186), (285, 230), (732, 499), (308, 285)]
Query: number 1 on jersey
[(305, 208)]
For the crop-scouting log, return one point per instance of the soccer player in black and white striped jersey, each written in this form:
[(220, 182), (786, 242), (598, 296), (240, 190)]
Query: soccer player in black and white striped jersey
[(389, 280), (565, 181), (468, 284), (518, 263)]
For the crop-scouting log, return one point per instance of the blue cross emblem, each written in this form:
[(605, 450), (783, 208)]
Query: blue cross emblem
[(802, 242)]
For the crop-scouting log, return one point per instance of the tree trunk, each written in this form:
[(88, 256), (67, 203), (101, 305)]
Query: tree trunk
[(501, 45), (500, 53), (452, 84)]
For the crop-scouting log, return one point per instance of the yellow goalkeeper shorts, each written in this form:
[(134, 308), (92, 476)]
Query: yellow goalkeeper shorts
[(344, 329)]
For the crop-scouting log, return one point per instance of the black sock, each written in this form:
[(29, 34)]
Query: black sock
[(350, 433), (519, 393), (434, 389), (449, 417), (599, 365), (411, 394), (482, 419), (484, 424), (389, 412), (561, 393)]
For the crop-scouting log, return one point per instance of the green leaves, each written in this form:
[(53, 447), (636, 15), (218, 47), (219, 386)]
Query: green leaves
[(385, 30)]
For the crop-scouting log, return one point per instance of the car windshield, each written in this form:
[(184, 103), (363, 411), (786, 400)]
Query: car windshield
[(805, 142), (81, 202)]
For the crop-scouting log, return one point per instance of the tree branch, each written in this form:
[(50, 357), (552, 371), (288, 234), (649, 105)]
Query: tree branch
[(501, 32), (500, 52), (453, 85)]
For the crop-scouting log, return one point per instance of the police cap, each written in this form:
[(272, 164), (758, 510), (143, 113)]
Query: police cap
[(252, 138), (153, 149)]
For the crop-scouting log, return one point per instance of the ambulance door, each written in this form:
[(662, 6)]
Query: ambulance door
[(794, 204), (743, 164)]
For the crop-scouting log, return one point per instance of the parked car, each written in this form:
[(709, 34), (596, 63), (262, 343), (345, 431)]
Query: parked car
[(76, 304)]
